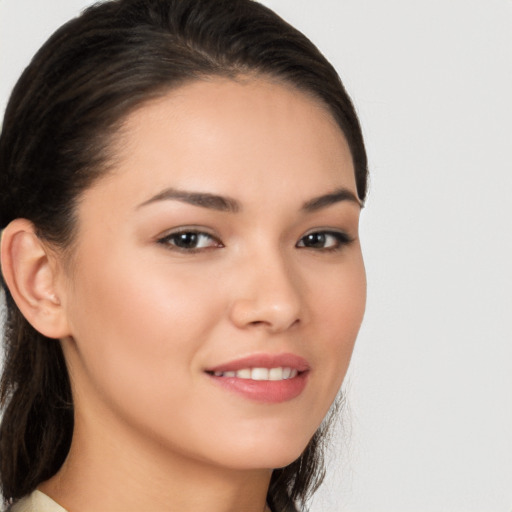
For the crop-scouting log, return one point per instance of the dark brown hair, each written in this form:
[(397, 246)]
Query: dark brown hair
[(58, 126)]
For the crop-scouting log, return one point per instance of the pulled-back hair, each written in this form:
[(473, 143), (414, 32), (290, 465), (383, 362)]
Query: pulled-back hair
[(56, 141)]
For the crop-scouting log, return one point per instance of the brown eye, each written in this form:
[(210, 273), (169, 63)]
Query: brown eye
[(324, 240), (315, 240), (190, 240), (186, 240)]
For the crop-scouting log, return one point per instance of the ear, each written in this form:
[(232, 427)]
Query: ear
[(30, 271)]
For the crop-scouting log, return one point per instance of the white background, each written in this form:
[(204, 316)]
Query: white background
[(429, 427)]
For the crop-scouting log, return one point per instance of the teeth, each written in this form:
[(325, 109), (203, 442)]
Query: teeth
[(275, 374), (279, 373), (244, 374), (259, 374)]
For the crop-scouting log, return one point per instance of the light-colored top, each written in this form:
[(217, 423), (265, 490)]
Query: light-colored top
[(40, 502), (36, 502)]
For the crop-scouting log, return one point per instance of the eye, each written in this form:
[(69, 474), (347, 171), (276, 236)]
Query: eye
[(324, 240), (190, 240)]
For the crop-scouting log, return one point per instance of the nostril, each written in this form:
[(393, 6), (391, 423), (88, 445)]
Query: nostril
[(273, 325)]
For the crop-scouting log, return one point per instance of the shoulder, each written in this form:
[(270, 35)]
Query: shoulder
[(36, 502)]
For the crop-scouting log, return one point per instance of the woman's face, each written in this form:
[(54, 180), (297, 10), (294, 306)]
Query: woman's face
[(225, 239)]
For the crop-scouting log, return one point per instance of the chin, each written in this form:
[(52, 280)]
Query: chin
[(259, 461), (271, 453)]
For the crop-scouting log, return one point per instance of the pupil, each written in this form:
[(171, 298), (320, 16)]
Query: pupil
[(186, 240), (315, 240)]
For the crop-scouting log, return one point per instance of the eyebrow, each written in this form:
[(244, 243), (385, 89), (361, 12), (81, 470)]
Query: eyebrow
[(228, 204), (341, 194), (203, 199)]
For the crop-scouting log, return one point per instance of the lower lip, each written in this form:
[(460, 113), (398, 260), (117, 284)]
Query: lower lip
[(265, 391)]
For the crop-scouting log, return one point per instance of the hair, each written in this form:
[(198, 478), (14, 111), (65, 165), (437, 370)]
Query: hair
[(57, 136)]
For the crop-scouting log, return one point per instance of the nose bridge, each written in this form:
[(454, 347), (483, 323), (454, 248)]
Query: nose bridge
[(270, 293)]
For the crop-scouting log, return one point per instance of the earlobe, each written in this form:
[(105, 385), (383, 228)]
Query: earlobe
[(30, 274)]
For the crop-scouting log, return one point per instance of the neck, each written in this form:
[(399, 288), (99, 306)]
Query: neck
[(112, 469)]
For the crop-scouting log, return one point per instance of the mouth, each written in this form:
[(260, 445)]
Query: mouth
[(263, 378), (273, 374)]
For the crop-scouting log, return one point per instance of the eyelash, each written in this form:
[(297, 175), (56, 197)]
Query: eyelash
[(339, 240)]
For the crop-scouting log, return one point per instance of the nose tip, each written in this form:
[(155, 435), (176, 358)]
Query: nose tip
[(271, 301), (275, 317)]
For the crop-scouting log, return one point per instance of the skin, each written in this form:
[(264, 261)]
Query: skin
[(144, 319)]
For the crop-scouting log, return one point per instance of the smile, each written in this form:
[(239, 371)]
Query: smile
[(264, 378), (274, 374)]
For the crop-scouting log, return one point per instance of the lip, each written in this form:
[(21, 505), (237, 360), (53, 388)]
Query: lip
[(263, 391)]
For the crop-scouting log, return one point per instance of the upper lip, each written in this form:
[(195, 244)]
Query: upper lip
[(263, 361)]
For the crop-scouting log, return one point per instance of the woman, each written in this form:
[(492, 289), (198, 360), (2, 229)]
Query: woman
[(181, 183)]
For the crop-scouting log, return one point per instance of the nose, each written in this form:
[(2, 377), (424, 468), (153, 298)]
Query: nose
[(268, 296)]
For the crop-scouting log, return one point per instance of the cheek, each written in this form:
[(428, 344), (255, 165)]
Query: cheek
[(339, 309), (138, 327), (343, 307), (141, 303)]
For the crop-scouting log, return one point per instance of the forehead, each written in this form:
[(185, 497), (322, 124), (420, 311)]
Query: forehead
[(235, 137)]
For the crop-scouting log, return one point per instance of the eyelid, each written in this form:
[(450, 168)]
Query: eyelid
[(187, 229), (327, 230)]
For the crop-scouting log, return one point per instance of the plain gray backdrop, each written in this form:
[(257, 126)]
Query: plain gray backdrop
[(428, 426)]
